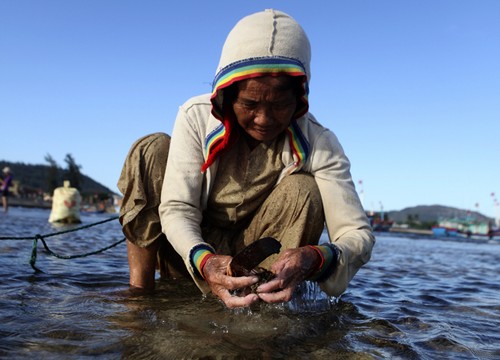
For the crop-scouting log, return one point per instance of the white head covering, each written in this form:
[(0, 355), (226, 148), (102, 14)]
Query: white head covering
[(267, 43), (266, 34)]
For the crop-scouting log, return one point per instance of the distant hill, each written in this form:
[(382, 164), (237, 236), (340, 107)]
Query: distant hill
[(32, 178), (430, 213)]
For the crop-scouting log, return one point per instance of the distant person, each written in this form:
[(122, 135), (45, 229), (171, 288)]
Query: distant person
[(245, 162), (6, 182)]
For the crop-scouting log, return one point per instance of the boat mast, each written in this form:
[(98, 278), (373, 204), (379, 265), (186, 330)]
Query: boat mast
[(496, 209), (361, 193)]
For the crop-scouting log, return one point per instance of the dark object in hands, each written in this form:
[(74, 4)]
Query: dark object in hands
[(247, 259), (245, 262)]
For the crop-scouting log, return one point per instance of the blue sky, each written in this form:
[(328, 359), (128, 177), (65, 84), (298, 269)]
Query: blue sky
[(411, 88)]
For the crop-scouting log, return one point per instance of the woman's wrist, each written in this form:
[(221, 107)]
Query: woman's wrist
[(199, 256), (329, 254)]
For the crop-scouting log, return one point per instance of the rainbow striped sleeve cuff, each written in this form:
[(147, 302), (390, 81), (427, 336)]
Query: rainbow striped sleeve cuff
[(198, 256), (329, 257)]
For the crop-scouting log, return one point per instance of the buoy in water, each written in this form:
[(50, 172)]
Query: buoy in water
[(66, 205)]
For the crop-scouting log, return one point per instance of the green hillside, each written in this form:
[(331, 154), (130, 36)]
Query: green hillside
[(34, 179), (434, 213)]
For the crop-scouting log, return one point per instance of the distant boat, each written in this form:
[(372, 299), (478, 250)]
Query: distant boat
[(100, 208), (378, 224), (466, 228), (93, 211)]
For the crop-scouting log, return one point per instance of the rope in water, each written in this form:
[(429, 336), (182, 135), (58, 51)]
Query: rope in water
[(66, 257)]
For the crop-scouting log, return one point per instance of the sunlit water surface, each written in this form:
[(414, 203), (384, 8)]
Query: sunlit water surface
[(418, 298)]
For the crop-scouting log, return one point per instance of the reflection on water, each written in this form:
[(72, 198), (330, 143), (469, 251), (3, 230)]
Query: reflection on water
[(191, 326), (417, 298)]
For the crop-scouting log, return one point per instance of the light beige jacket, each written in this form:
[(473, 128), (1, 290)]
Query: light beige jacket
[(261, 38), (186, 189)]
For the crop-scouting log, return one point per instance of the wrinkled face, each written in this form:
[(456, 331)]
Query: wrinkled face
[(264, 106)]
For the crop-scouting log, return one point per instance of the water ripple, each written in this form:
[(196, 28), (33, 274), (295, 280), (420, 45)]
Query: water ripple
[(412, 301)]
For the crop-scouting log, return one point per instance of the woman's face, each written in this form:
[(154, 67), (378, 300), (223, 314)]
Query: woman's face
[(264, 106)]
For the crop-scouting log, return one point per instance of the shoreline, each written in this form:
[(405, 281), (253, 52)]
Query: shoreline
[(399, 230), (47, 205), (29, 203), (40, 204), (395, 231)]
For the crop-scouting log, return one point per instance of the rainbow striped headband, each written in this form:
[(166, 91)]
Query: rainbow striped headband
[(255, 67), (298, 143), (222, 137), (214, 137)]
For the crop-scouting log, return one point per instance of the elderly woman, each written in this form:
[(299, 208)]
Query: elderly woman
[(245, 162)]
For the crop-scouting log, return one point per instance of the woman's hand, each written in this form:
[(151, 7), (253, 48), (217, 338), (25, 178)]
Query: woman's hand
[(292, 267), (215, 273)]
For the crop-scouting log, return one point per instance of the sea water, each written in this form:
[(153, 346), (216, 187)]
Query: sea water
[(418, 298)]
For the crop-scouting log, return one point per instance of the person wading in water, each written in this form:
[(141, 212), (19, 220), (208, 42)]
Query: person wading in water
[(247, 161)]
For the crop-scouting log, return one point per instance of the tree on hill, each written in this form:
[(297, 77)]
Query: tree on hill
[(52, 174), (45, 178), (73, 172)]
